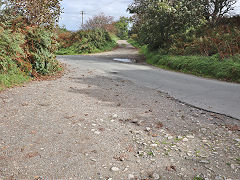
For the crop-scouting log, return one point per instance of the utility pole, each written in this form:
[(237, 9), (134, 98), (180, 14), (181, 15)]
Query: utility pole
[(82, 12)]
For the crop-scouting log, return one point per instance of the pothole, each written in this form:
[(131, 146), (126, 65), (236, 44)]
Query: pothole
[(123, 60)]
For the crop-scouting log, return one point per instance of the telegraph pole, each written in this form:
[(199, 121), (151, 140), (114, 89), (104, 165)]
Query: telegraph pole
[(82, 12)]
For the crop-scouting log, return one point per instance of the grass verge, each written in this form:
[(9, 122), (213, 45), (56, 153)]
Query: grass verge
[(134, 43), (13, 78), (211, 67)]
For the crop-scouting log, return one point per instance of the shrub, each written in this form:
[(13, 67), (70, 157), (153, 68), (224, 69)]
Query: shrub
[(27, 40), (157, 22), (41, 47), (222, 38), (85, 42), (31, 49), (122, 26)]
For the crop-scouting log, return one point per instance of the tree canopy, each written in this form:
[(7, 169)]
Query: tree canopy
[(100, 21), (35, 12), (218, 8), (156, 22), (122, 26)]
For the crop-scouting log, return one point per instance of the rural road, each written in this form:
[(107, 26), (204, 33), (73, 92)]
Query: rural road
[(105, 120), (207, 94)]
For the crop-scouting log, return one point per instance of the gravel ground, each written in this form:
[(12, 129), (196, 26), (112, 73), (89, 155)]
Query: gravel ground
[(87, 125)]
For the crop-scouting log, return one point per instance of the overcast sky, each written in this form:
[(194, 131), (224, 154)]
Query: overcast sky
[(71, 17)]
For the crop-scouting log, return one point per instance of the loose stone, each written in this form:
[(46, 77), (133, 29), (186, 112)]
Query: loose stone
[(115, 169), (154, 145), (155, 176), (130, 176), (190, 136)]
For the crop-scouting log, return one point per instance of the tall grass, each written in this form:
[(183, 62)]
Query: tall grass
[(11, 79)]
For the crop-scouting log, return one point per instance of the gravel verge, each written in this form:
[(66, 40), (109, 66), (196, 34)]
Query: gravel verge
[(87, 125)]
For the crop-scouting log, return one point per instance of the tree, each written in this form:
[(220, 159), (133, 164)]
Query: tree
[(35, 12), (100, 21), (215, 9), (157, 22), (122, 26)]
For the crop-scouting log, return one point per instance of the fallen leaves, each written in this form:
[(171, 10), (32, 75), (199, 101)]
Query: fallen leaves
[(33, 132), (130, 148), (2, 158), (169, 168), (159, 125), (69, 117), (32, 154), (24, 104), (233, 127), (120, 157), (101, 129)]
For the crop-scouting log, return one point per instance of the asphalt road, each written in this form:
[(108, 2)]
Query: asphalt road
[(212, 95)]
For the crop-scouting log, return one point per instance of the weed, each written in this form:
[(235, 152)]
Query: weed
[(164, 142), (228, 164), (150, 153), (238, 160), (198, 178)]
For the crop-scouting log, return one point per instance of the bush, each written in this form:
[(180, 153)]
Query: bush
[(157, 22), (122, 26), (222, 39), (42, 46), (85, 42), (27, 40), (31, 49), (10, 48)]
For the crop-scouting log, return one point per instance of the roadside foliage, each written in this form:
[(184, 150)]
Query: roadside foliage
[(84, 41), (122, 26), (96, 35), (196, 28), (27, 39)]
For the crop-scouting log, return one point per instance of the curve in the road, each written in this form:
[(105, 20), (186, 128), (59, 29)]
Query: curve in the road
[(211, 95)]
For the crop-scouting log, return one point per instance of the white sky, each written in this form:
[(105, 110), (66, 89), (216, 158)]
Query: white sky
[(71, 17)]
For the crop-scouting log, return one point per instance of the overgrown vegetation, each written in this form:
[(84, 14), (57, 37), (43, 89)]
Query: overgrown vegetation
[(122, 26), (98, 34), (193, 36), (27, 42), (83, 42)]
